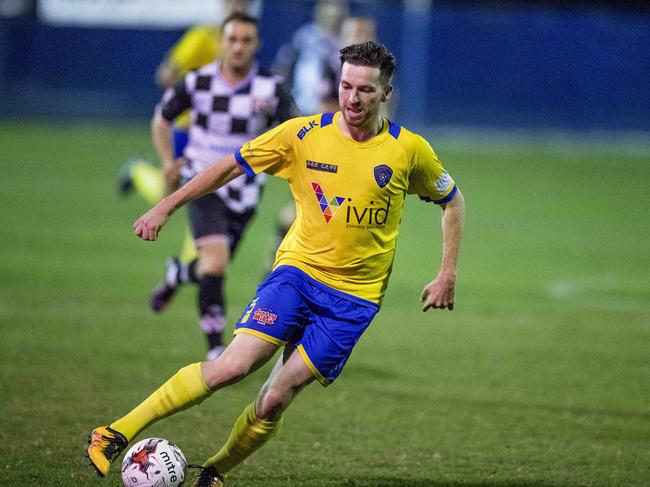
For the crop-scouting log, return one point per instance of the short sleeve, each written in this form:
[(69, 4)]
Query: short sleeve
[(269, 152), (175, 101), (428, 179)]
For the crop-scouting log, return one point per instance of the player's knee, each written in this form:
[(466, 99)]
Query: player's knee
[(273, 403), (212, 266)]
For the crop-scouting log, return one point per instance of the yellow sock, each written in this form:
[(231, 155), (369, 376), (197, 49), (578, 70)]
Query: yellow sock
[(188, 252), (148, 181), (248, 434), (183, 390)]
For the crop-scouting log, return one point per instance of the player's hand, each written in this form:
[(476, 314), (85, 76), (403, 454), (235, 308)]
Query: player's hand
[(148, 225), (439, 293)]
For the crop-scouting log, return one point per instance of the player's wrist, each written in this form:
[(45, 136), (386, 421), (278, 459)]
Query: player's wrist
[(168, 205), (447, 274)]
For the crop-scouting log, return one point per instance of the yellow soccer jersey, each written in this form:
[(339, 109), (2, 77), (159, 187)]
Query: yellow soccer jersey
[(349, 196), (199, 46)]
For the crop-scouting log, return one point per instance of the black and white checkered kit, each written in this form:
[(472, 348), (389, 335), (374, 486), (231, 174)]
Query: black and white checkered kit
[(223, 117)]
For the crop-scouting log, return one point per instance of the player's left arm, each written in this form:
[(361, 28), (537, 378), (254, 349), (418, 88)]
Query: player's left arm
[(441, 292)]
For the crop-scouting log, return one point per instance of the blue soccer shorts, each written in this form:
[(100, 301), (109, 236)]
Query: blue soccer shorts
[(322, 323)]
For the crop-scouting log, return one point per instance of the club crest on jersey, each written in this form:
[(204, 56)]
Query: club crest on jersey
[(383, 173), (329, 208)]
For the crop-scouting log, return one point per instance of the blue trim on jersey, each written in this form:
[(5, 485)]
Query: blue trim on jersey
[(242, 162), (447, 198), (326, 119), (394, 129)]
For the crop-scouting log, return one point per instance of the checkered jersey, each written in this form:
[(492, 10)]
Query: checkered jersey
[(223, 117)]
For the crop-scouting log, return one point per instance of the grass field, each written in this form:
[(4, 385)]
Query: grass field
[(540, 377)]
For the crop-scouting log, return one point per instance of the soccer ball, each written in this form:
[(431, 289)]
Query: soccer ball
[(154, 462)]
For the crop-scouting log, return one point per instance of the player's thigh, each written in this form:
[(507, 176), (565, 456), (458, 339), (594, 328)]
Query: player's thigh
[(209, 219), (338, 324), (214, 256), (245, 354), (237, 225), (289, 349), (294, 374)]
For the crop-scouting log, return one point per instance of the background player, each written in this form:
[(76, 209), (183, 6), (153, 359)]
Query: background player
[(199, 46), (306, 62), (231, 101), (350, 172)]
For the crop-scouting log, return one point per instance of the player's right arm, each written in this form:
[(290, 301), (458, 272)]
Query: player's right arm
[(174, 103), (266, 153), (161, 134), (211, 178)]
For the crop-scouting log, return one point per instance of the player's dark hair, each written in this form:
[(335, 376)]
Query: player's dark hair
[(241, 17), (371, 54)]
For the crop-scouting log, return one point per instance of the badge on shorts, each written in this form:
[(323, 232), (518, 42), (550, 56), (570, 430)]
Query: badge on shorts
[(383, 173), (265, 316)]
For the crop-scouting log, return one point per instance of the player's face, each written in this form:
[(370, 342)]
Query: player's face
[(361, 94), (240, 43)]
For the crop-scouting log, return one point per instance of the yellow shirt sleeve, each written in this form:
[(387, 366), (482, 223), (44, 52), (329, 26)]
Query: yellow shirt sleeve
[(270, 152), (198, 46), (428, 179)]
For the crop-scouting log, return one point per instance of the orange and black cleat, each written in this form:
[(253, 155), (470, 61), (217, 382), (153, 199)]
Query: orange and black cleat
[(104, 446)]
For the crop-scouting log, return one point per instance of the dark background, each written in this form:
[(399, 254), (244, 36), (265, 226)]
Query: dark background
[(505, 64)]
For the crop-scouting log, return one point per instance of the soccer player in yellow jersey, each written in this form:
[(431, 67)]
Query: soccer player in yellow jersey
[(349, 173)]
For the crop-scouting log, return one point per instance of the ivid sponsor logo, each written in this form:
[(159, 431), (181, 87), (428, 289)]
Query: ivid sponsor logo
[(366, 217)]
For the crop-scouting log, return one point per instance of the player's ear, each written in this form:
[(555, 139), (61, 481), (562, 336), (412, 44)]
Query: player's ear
[(388, 91)]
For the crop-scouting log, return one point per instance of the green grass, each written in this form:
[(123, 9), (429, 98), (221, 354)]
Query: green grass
[(540, 377)]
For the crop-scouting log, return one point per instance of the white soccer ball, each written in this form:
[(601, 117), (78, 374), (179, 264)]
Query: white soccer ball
[(154, 462)]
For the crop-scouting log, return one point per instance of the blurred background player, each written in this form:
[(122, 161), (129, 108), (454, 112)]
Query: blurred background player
[(357, 29), (199, 46), (231, 100), (320, 86), (306, 62)]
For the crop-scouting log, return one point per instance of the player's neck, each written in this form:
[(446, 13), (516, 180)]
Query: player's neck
[(364, 132), (234, 75)]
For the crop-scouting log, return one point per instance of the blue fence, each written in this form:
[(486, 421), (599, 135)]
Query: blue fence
[(580, 68)]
